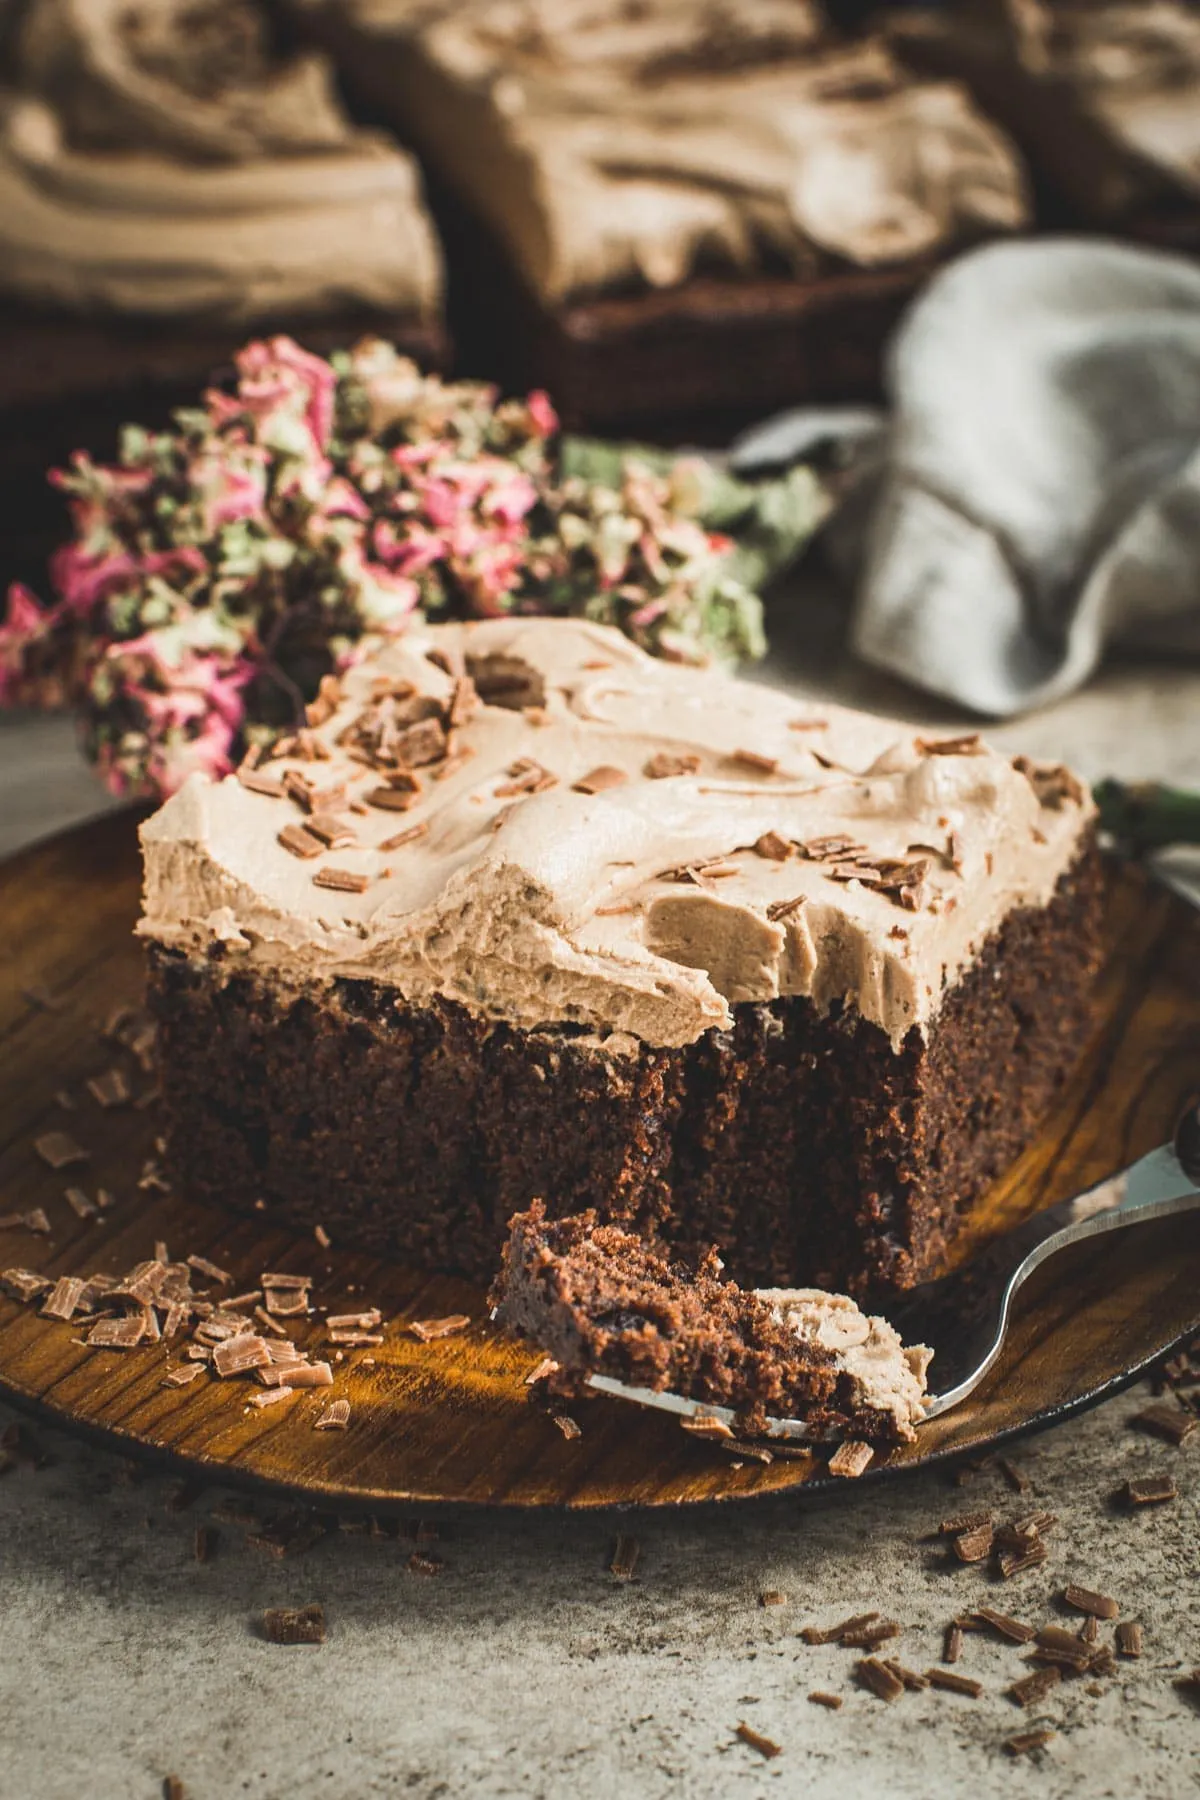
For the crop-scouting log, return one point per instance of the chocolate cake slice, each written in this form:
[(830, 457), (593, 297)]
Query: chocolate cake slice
[(602, 1301), (525, 912)]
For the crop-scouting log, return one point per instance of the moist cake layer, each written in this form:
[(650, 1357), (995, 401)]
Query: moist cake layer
[(533, 821)]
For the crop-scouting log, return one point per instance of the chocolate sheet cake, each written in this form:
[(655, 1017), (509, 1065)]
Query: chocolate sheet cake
[(601, 1301), (525, 913), (674, 210)]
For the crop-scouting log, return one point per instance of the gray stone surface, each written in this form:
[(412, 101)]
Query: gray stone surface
[(524, 1669)]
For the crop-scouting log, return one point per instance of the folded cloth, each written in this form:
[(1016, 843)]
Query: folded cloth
[(1036, 493)]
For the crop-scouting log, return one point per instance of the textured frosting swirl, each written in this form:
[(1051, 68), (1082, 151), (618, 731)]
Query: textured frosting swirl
[(608, 841), (158, 160), (614, 149)]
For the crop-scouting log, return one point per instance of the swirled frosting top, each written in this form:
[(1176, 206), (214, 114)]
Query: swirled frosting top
[(1114, 74), (632, 147), (157, 159), (536, 820)]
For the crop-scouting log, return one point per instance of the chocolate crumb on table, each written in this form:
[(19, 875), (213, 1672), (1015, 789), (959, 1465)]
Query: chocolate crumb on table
[(624, 1560), (974, 1546), (204, 1543), (1056, 1646), (1025, 1741), (423, 1562), (294, 1624), (772, 1597), (832, 1701), (952, 1644), (1006, 1627), (764, 1745), (569, 1427), (867, 1637), (1166, 1420), (1032, 1688), (1129, 1639), (173, 1788), (1084, 1600), (873, 1674), (835, 1634), (953, 1683)]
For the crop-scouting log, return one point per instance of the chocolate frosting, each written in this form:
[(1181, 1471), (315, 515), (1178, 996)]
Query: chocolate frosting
[(612, 843), (157, 159), (1108, 95), (612, 149)]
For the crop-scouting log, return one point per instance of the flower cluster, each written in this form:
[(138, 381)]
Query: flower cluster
[(221, 568)]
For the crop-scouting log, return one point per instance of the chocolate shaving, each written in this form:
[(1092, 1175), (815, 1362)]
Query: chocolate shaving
[(567, 1425), (23, 1284), (212, 1270), (547, 1366), (36, 1219), (1057, 1645), (851, 1459), (1016, 1562), (952, 1683), (238, 1354), (335, 1417), (1025, 1741), (63, 1300), (704, 1425), (117, 1334), (299, 842), (334, 833), (974, 1546), (832, 1701), (772, 1597), (406, 837), (204, 1543), (59, 1149), (1006, 1627), (271, 1396), (361, 1321), (429, 1329), (1167, 1420), (1051, 782), (1151, 1490), (952, 1643), (624, 1560), (915, 1682), (392, 799), (662, 766), (294, 1624), (960, 1522), (1129, 1638), (834, 1634), (301, 1375), (344, 881), (1086, 1600), (183, 1375), (356, 1340), (764, 1745), (1015, 1477), (772, 846), (598, 780), (110, 1088), (1032, 1688), (869, 1637), (876, 1675)]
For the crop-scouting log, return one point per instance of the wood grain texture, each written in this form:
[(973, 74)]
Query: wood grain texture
[(451, 1420)]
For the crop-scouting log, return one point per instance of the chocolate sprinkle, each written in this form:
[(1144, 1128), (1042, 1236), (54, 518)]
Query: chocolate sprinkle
[(879, 1678), (300, 842), (851, 1459), (345, 881), (1032, 1688), (1085, 1600), (1167, 1420), (832, 1701), (764, 1745), (599, 779), (954, 1684), (1151, 1490), (59, 1149), (1025, 1741)]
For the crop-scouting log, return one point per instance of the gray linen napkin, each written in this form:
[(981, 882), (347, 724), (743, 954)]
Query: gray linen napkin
[(1035, 494)]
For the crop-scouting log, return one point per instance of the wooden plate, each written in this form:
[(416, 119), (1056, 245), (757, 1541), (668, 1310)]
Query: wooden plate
[(451, 1420)]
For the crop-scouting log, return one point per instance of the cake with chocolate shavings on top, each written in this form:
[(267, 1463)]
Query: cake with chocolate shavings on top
[(523, 912)]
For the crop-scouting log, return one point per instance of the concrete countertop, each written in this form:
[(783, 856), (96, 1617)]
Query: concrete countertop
[(524, 1668)]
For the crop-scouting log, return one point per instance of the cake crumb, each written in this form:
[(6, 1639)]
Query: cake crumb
[(294, 1624)]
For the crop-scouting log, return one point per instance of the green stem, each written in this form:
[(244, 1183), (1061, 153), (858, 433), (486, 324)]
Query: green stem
[(1145, 815)]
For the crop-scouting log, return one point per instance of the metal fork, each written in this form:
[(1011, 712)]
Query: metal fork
[(964, 1316)]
